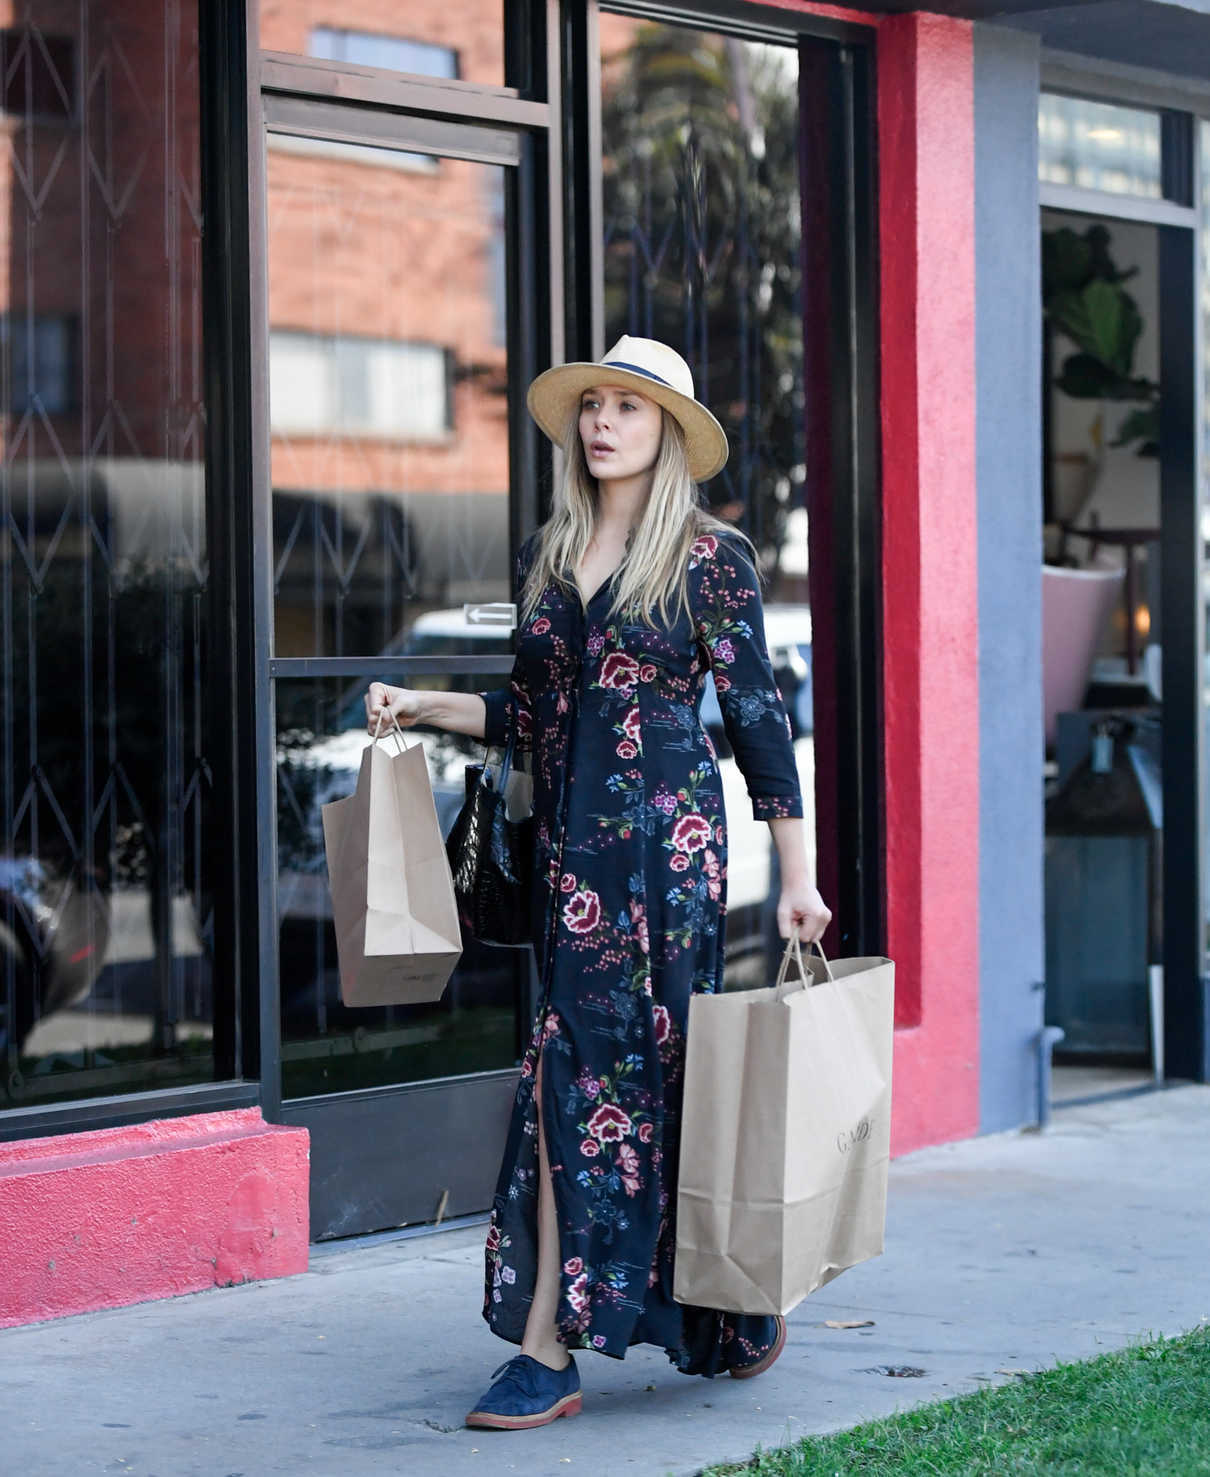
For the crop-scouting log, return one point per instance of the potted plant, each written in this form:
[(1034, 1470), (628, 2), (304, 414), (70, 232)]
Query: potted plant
[(1085, 302)]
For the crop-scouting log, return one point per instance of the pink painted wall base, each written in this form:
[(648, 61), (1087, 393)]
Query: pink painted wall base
[(122, 1215)]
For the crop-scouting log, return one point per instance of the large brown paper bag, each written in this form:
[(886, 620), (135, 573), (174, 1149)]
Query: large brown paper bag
[(785, 1138), (397, 934)]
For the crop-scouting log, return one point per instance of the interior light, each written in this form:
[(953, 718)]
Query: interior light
[(1105, 135)]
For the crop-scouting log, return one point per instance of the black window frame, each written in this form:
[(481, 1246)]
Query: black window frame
[(1174, 214), (843, 446), (229, 387), (552, 101)]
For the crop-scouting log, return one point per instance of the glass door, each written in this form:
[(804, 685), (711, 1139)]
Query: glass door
[(391, 391), (1123, 660)]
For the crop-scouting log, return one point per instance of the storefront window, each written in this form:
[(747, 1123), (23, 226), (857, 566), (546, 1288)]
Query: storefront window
[(702, 218), (106, 874), (462, 41), (1098, 146), (389, 453), (326, 1046), (388, 387)]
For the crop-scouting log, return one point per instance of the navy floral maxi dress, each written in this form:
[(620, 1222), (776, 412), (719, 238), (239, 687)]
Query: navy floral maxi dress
[(628, 921)]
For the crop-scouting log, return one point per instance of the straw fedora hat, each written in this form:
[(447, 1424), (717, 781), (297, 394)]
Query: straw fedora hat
[(654, 370)]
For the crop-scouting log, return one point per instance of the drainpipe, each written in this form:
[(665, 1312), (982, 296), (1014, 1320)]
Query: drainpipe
[(1048, 1038)]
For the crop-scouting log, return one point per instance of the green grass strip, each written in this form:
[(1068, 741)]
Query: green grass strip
[(1144, 1412)]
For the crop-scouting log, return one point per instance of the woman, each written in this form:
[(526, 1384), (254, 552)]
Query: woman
[(630, 593)]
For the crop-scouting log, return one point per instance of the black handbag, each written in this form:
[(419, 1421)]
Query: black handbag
[(491, 858)]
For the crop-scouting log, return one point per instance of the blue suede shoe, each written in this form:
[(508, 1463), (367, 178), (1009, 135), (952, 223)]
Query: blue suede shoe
[(527, 1393), (763, 1361)]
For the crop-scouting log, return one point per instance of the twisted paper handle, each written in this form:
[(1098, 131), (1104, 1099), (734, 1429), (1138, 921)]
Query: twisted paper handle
[(793, 955), (396, 732)]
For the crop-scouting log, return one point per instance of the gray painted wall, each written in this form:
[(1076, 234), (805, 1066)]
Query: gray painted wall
[(1008, 460)]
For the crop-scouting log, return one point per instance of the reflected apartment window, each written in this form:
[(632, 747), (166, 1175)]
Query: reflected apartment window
[(40, 356), (37, 74), (1098, 146), (388, 53), (344, 385)]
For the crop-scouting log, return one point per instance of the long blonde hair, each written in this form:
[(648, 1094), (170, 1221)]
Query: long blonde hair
[(654, 574)]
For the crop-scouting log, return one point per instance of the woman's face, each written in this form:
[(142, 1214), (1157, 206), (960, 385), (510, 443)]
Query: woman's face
[(621, 432)]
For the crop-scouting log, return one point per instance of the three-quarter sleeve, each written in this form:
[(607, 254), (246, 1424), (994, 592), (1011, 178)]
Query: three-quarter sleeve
[(510, 706), (730, 624)]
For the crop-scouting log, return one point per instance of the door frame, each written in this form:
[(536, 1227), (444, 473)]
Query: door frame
[(839, 167), (553, 56), (455, 1125)]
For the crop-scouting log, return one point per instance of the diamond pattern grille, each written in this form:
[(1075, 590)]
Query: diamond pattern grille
[(105, 910)]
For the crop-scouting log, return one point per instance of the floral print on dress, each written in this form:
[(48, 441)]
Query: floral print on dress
[(628, 922)]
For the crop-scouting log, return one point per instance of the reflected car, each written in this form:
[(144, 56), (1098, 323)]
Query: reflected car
[(53, 940)]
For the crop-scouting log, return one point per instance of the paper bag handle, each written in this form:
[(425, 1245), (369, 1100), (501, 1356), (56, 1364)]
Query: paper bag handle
[(793, 955), (396, 732)]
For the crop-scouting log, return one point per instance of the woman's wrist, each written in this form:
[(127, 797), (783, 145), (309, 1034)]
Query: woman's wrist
[(797, 876), (790, 841), (428, 707), (456, 712)]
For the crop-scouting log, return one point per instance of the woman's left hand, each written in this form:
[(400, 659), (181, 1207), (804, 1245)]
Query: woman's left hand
[(801, 910)]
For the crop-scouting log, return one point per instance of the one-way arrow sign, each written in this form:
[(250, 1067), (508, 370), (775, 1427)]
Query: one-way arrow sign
[(496, 614)]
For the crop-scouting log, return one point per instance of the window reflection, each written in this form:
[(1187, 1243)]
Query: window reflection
[(1098, 146), (702, 228), (389, 53), (341, 384), (388, 395), (326, 1046), (105, 867), (463, 39)]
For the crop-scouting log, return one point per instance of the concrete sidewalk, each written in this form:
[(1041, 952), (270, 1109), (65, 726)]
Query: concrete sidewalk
[(1003, 1253)]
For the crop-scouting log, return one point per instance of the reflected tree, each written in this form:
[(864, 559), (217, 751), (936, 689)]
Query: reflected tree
[(702, 244)]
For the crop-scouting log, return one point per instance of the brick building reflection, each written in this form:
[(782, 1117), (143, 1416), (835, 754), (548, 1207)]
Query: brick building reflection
[(389, 447)]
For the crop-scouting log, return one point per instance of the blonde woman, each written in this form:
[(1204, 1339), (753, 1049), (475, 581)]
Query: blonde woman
[(630, 594)]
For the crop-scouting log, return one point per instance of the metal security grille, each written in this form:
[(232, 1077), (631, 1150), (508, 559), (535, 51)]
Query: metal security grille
[(701, 249), (105, 888), (702, 232)]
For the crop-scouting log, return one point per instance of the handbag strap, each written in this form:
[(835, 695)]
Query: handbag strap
[(793, 955), (506, 762)]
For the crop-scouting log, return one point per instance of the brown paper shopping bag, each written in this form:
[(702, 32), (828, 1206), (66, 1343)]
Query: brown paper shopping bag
[(785, 1136), (397, 935)]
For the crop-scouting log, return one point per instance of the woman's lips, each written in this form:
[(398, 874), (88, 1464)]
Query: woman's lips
[(598, 448)]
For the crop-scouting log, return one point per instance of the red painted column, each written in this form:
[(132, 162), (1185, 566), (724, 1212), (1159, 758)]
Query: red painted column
[(930, 612)]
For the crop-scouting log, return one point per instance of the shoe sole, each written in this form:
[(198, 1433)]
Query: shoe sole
[(486, 1421), (750, 1371)]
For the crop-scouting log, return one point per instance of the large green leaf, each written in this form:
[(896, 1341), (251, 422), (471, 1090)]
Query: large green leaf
[(1084, 377), (1140, 425), (1102, 321)]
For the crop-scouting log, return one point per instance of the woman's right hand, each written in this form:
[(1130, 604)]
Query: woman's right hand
[(384, 703)]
